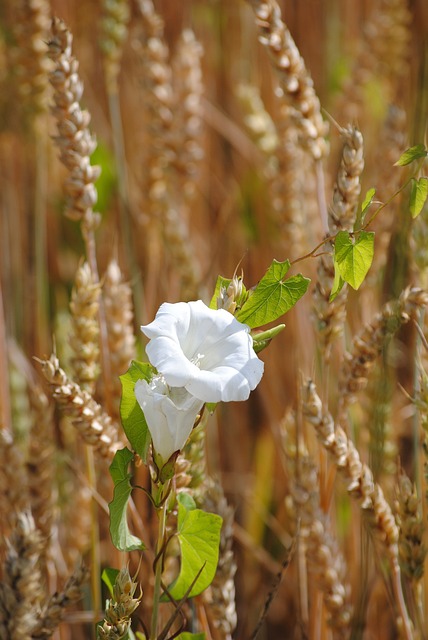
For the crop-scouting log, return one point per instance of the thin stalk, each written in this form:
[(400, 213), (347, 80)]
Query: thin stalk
[(399, 597), (5, 408), (158, 571), (40, 252), (124, 200), (95, 544), (320, 186)]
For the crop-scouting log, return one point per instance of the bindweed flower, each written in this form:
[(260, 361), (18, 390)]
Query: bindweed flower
[(170, 414), (201, 355), (206, 351)]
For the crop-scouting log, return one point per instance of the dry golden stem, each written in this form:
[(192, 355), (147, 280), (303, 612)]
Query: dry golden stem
[(361, 487), (94, 425), (295, 82), (367, 346)]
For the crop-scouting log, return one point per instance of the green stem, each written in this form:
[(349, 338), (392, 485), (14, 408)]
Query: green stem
[(158, 571)]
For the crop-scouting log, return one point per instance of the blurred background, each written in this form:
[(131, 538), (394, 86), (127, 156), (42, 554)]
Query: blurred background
[(200, 176)]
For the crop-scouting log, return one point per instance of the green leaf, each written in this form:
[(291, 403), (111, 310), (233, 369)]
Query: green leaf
[(353, 256), (121, 537), (273, 296), (186, 635), (418, 195), (368, 199), (413, 153), (109, 576), (199, 536), (133, 420)]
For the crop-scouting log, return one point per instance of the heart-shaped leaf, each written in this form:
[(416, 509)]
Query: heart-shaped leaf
[(273, 296), (199, 536), (353, 256)]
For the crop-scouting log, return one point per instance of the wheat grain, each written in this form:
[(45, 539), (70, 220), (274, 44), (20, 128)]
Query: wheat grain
[(53, 611), (75, 142), (84, 341), (296, 85), (330, 316), (31, 28), (325, 560), (114, 23), (93, 424), (368, 344)]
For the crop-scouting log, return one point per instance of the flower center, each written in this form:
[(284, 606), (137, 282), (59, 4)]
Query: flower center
[(158, 384), (196, 360)]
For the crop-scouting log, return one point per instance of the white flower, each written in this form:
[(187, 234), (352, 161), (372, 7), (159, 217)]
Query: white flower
[(170, 414), (206, 351)]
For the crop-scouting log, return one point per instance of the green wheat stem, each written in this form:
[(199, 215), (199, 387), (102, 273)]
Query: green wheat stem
[(161, 511)]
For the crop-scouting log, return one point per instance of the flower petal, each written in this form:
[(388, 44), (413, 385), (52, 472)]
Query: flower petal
[(226, 383), (206, 351), (170, 415)]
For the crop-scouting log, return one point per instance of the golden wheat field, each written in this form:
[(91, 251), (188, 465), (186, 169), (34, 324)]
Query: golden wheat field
[(253, 463)]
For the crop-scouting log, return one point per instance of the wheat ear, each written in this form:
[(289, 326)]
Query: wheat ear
[(114, 24), (361, 487), (53, 611), (295, 82), (94, 425), (325, 560), (21, 592), (31, 29), (329, 315), (367, 345), (84, 341)]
